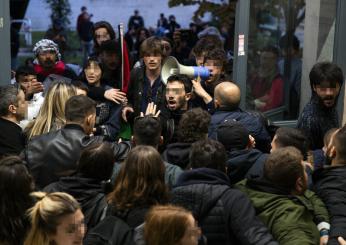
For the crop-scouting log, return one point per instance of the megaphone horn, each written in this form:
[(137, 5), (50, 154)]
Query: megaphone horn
[(171, 66)]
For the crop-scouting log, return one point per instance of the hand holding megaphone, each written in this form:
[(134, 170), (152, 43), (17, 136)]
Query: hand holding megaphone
[(172, 67), (200, 91)]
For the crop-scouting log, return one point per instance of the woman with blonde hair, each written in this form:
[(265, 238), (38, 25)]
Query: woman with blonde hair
[(56, 219), (170, 225), (52, 113)]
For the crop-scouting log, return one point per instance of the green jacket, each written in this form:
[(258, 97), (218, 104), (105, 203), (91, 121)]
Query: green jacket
[(292, 220)]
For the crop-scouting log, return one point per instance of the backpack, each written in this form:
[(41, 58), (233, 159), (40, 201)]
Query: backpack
[(110, 231)]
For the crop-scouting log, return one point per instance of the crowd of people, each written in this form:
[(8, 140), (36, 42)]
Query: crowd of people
[(90, 157)]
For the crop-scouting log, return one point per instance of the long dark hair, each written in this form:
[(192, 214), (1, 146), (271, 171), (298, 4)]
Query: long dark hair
[(102, 24), (16, 184), (141, 181)]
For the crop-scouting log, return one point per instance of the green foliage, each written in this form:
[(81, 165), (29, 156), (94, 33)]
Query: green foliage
[(61, 10), (223, 13)]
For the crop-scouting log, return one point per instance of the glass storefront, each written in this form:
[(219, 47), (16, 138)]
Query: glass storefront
[(274, 65), (277, 44)]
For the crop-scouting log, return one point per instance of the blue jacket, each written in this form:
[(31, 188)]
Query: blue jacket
[(250, 121)]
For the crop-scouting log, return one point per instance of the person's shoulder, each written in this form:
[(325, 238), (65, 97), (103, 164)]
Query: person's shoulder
[(7, 124)]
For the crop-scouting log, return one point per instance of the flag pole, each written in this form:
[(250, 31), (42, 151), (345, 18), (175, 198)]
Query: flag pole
[(121, 39)]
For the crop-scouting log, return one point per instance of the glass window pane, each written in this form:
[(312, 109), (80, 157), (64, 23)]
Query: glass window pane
[(275, 57)]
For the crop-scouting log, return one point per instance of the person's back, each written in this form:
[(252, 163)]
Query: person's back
[(281, 200), (87, 186), (226, 215), (111, 230), (139, 185), (242, 159), (55, 154), (227, 100), (193, 126), (330, 186)]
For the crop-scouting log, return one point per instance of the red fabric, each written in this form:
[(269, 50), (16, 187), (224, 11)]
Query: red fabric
[(58, 69), (272, 97), (126, 67)]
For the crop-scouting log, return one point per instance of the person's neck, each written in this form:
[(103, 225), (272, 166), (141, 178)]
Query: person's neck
[(152, 75), (96, 84), (85, 129), (184, 108), (11, 118), (336, 162)]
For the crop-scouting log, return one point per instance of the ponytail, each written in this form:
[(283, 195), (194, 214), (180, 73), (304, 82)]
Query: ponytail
[(45, 215)]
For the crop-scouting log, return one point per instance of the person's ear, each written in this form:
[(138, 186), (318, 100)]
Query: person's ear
[(12, 109), (161, 140), (300, 186), (314, 87), (216, 102), (331, 152), (89, 119), (187, 96)]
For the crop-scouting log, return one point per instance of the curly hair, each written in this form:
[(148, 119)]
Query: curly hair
[(193, 125)]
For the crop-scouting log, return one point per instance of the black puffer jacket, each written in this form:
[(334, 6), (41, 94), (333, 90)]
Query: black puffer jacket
[(225, 215), (330, 186), (54, 155)]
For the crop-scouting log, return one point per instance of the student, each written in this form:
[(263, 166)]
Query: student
[(56, 218)]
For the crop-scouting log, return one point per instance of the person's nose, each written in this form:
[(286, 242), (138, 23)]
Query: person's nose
[(329, 91)]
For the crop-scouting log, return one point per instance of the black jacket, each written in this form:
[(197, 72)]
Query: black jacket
[(316, 120), (110, 231), (135, 91), (12, 140), (88, 192), (134, 217), (177, 154), (225, 215), (242, 164), (54, 155), (330, 186), (169, 124)]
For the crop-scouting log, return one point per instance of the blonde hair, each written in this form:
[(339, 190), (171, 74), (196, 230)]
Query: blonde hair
[(52, 113), (45, 215), (166, 225)]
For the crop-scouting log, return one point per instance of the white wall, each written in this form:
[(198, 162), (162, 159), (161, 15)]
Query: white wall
[(113, 11)]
